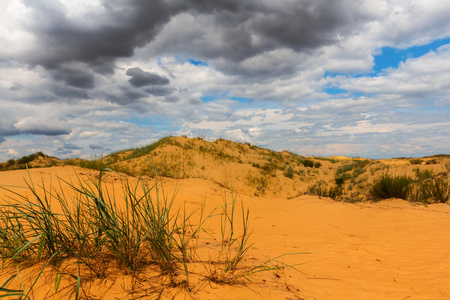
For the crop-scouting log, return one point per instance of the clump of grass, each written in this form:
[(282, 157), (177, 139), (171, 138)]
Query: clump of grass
[(235, 244), (141, 151), (423, 174), (321, 189), (416, 161), (431, 190), (432, 161), (306, 162), (388, 186), (289, 173)]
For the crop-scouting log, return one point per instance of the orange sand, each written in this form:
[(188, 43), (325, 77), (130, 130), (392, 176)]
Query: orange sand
[(385, 250)]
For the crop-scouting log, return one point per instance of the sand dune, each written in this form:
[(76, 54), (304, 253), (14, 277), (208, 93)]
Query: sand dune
[(386, 250)]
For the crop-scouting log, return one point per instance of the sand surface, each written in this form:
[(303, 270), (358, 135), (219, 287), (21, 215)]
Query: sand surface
[(386, 250)]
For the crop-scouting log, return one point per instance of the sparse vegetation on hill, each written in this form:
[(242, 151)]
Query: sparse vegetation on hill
[(256, 171), (253, 170), (35, 160)]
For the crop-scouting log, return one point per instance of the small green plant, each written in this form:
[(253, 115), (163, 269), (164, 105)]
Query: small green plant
[(307, 162), (340, 180), (423, 174), (431, 191), (289, 173), (10, 162), (416, 161), (321, 189), (388, 186), (432, 161), (27, 159)]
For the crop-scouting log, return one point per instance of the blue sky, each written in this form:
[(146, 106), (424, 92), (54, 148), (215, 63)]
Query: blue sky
[(357, 78), (391, 57)]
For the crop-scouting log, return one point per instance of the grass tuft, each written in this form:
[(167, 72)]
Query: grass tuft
[(388, 186)]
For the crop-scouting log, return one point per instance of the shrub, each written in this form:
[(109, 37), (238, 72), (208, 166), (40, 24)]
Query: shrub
[(26, 159), (307, 162), (289, 173), (423, 175), (340, 180), (415, 161), (432, 161), (432, 190), (392, 187), (322, 190)]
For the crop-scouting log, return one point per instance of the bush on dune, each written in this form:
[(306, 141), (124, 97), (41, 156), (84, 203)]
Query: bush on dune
[(391, 187)]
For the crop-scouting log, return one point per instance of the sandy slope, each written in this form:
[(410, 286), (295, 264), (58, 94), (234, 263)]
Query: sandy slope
[(385, 250)]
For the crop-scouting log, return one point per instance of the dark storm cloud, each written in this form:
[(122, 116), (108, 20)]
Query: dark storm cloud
[(305, 24), (100, 39), (160, 91), (96, 40), (69, 92), (126, 95), (251, 38), (46, 131), (71, 146), (75, 77), (140, 78)]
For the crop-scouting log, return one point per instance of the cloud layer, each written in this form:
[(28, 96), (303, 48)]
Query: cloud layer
[(296, 75)]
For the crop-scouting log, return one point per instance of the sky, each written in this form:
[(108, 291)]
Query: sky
[(360, 78)]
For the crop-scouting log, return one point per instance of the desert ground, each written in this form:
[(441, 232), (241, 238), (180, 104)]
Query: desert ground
[(325, 248)]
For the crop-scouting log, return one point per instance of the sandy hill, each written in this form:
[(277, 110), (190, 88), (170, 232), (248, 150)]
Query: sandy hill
[(35, 160), (251, 170)]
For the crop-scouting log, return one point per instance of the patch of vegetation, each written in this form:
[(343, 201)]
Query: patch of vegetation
[(388, 186), (138, 152), (416, 161), (332, 160), (308, 163), (432, 161), (27, 159), (289, 173), (321, 189), (260, 181), (435, 190), (340, 180), (343, 172), (423, 174), (21, 163)]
